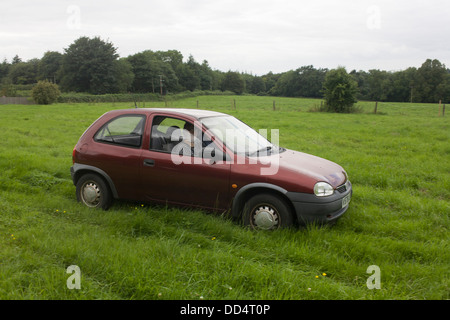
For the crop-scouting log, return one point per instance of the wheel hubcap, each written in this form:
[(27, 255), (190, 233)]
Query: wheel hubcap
[(265, 218), (91, 194)]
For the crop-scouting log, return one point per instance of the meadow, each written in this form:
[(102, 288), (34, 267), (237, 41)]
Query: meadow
[(398, 220)]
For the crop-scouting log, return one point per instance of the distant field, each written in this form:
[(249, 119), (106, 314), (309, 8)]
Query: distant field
[(397, 160)]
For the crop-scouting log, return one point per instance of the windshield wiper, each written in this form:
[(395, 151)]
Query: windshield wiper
[(267, 150)]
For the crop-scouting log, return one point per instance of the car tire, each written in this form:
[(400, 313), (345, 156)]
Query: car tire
[(93, 192), (267, 212)]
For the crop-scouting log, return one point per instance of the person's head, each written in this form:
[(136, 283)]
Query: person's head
[(189, 127)]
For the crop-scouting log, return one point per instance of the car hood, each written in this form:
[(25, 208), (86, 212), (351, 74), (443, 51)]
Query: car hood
[(297, 163)]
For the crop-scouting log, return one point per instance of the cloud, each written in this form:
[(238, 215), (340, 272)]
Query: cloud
[(246, 35)]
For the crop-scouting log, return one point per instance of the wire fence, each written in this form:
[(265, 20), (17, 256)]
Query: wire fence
[(16, 100)]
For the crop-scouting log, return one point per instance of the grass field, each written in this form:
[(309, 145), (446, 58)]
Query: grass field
[(397, 160)]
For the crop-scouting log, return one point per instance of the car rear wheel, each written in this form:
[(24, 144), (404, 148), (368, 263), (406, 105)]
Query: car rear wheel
[(267, 212), (93, 192)]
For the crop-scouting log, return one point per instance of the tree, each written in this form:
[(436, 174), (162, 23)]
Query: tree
[(443, 89), (310, 81), (45, 92), (16, 59), (89, 65), (187, 78), (402, 85), (286, 85), (270, 81), (49, 66), (151, 70), (7, 88), (144, 78), (24, 72), (429, 77), (339, 90), (377, 81), (379, 85), (206, 76), (257, 85), (233, 82), (124, 76), (303, 82), (361, 77), (172, 57), (4, 69), (217, 77), (193, 75)]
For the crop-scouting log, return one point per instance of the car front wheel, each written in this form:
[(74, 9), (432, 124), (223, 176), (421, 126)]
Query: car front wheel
[(93, 192), (267, 212)]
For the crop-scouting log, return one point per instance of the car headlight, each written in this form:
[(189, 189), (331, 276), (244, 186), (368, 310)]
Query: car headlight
[(323, 189)]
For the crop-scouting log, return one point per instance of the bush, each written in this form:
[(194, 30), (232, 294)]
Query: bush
[(45, 92), (339, 91)]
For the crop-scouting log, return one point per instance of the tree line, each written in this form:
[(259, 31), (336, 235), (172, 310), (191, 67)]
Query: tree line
[(92, 65)]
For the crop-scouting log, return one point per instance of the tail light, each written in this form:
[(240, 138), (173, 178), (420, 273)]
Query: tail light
[(73, 154)]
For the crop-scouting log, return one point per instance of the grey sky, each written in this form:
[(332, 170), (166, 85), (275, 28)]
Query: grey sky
[(255, 36)]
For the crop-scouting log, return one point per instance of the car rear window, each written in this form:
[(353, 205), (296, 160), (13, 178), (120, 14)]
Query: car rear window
[(124, 130)]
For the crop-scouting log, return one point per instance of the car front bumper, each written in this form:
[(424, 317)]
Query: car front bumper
[(322, 210)]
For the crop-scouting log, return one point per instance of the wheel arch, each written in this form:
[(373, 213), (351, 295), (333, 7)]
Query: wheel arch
[(78, 170), (248, 191)]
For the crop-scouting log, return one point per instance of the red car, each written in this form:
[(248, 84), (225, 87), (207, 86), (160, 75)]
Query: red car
[(208, 160)]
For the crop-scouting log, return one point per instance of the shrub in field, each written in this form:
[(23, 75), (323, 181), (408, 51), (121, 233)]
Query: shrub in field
[(45, 92), (339, 90)]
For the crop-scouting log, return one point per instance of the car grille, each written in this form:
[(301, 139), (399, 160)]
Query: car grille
[(342, 188)]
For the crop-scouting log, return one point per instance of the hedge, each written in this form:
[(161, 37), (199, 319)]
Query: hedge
[(133, 97)]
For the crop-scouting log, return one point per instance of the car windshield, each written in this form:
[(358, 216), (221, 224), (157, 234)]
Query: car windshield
[(237, 136)]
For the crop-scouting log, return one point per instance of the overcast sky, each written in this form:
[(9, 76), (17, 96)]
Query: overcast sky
[(253, 36)]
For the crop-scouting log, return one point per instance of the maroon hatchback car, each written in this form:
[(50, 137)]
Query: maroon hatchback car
[(208, 160)]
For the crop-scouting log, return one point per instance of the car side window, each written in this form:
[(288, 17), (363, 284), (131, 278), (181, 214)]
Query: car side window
[(124, 130), (167, 133), (176, 136)]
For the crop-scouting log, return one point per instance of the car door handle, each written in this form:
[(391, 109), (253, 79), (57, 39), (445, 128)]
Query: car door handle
[(149, 162)]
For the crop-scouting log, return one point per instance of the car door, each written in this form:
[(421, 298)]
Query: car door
[(117, 151), (194, 181)]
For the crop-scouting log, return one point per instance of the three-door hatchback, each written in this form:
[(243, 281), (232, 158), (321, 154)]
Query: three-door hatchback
[(208, 160)]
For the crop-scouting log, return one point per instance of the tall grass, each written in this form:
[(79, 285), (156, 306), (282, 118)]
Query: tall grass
[(398, 218)]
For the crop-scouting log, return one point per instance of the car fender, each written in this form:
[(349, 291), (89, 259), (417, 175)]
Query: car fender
[(77, 169), (241, 195)]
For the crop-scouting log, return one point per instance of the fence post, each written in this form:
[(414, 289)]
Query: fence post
[(274, 108), (443, 109), (376, 107)]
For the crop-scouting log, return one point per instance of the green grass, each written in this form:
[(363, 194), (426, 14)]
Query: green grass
[(398, 161)]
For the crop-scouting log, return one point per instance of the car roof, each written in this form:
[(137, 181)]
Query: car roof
[(196, 113)]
